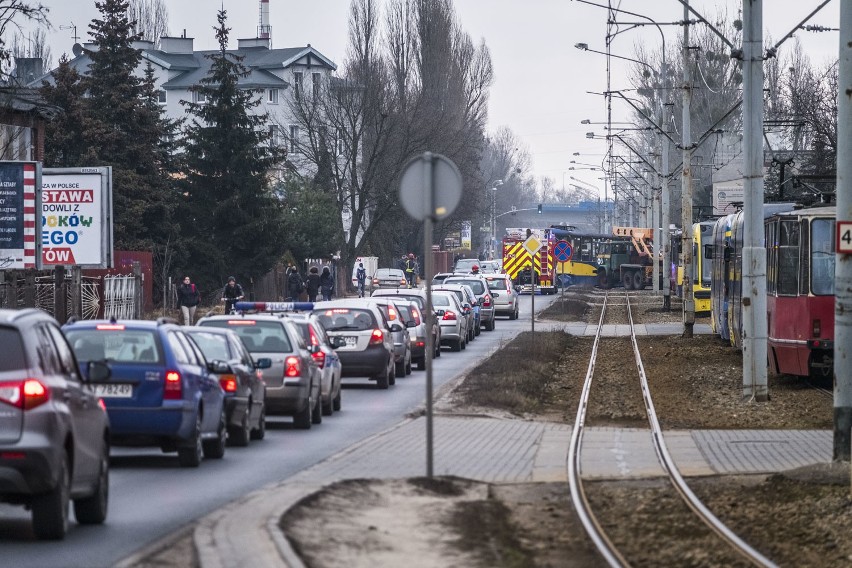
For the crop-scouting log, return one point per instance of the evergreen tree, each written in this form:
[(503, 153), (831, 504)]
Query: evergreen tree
[(236, 220), (63, 139)]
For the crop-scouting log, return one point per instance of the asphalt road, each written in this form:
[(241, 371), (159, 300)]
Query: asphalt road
[(151, 497)]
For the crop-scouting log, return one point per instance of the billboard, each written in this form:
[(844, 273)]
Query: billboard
[(76, 217), (725, 193), (18, 204), (465, 235)]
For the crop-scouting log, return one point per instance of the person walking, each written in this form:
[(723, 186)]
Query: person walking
[(410, 268), (232, 294), (326, 283), (361, 277), (294, 284), (188, 299), (312, 283)]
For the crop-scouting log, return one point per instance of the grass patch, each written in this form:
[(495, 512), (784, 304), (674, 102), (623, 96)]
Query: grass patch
[(520, 376)]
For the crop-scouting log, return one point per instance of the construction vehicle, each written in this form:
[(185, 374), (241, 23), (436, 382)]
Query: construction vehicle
[(530, 273), (626, 259)]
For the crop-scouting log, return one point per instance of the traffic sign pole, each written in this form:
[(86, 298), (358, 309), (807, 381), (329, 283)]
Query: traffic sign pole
[(429, 197)]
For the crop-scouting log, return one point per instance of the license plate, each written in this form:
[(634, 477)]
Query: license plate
[(351, 341), (118, 390)]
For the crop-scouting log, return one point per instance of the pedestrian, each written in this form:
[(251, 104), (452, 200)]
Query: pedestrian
[(361, 277), (312, 283), (410, 267), (294, 284), (326, 283), (188, 299), (232, 294)]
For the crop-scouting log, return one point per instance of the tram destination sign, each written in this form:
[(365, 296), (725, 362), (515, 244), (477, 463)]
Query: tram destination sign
[(844, 237)]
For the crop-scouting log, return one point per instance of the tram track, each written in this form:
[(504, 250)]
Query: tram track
[(593, 526)]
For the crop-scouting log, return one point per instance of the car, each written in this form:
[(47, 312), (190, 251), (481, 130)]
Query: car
[(503, 292), (241, 379), (451, 319), (479, 286), (389, 278), (54, 431), (469, 304), (161, 392), (490, 267), (439, 278), (361, 335), (325, 357), (418, 332), (293, 379), (464, 265), (401, 336)]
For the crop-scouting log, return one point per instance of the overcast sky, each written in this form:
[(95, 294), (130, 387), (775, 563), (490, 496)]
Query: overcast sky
[(540, 78)]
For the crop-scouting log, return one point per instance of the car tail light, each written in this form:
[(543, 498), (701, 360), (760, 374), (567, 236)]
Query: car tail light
[(377, 338), (12, 455), (391, 313), (449, 315), (375, 280), (817, 328), (102, 404), (110, 327), (415, 313), (292, 367), (173, 389), (228, 382), (319, 358), (25, 394)]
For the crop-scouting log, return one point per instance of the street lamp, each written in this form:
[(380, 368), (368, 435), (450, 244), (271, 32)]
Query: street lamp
[(497, 183)]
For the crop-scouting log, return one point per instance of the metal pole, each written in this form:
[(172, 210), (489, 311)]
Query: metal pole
[(755, 382), (686, 187), (655, 213), (843, 266), (665, 194), (430, 314)]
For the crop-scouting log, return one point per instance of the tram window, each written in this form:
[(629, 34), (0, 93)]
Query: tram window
[(788, 258), (822, 257)]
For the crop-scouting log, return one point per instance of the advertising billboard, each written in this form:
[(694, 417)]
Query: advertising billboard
[(465, 235), (726, 194), (76, 217), (18, 204)]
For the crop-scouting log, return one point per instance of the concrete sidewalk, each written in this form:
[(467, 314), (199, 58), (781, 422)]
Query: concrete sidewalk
[(246, 533)]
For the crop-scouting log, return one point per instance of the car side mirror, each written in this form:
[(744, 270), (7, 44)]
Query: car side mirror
[(263, 363), (97, 371), (219, 367), (395, 327)]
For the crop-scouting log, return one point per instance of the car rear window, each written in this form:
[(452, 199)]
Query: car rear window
[(305, 329), (440, 300), (476, 285), (389, 273), (212, 345), (257, 335), (13, 358), (404, 313), (112, 343), (416, 299), (346, 319)]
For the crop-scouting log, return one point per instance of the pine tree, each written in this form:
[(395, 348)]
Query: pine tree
[(236, 220), (63, 140)]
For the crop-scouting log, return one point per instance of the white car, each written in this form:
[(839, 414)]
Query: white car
[(452, 320)]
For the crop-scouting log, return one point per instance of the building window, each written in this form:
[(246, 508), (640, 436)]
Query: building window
[(294, 138), (272, 96), (199, 97), (161, 96), (274, 135), (297, 83), (317, 78)]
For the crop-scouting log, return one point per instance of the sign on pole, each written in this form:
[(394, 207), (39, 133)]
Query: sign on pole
[(532, 245), (844, 237), (18, 214), (562, 251)]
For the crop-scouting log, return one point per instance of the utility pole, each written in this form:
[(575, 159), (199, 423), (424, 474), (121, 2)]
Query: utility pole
[(755, 328), (686, 187), (665, 194), (843, 265)]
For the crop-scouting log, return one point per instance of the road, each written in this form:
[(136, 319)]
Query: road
[(151, 497)]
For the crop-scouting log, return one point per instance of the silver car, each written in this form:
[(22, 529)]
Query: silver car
[(479, 286), (469, 304), (451, 319), (401, 336), (325, 357), (389, 278), (417, 296), (504, 294)]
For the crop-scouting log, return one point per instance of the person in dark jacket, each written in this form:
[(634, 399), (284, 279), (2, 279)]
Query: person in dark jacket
[(188, 299), (232, 293), (326, 283), (294, 284), (312, 283)]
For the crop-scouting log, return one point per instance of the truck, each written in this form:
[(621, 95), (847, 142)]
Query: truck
[(520, 265), (627, 259)]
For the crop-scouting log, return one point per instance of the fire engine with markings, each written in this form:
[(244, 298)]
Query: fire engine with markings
[(530, 272)]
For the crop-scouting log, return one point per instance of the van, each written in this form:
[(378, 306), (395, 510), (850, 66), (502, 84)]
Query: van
[(371, 264)]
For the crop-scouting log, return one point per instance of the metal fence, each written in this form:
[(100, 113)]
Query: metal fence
[(106, 296)]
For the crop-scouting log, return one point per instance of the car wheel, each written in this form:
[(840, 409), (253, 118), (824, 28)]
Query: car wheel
[(328, 409), (239, 435), (515, 314), (464, 344), (316, 413), (302, 420), (215, 449), (399, 369), (477, 329), (191, 455), (260, 432), (92, 510), (421, 364), (408, 367), (392, 378), (489, 326), (383, 380), (457, 346), (50, 510), (336, 403)]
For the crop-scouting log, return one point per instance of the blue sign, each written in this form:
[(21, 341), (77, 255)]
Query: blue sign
[(563, 251)]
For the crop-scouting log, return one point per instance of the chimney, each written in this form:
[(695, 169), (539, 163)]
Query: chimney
[(28, 69), (264, 30), (176, 44)]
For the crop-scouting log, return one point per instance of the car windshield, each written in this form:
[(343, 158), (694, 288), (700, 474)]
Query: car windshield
[(114, 343), (465, 264), (213, 345), (416, 299), (389, 273), (475, 284), (346, 319), (258, 336), (13, 350)]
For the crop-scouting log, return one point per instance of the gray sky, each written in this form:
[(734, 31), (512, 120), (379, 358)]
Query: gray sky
[(541, 79)]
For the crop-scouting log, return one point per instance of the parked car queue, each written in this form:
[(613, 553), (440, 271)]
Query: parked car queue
[(69, 394)]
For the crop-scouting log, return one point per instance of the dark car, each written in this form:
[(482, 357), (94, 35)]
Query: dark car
[(54, 432), (162, 391), (240, 378)]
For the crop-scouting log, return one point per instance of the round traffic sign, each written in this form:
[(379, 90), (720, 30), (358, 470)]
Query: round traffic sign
[(563, 251), (431, 185)]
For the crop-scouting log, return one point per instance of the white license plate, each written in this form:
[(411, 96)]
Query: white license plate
[(351, 341), (118, 390)]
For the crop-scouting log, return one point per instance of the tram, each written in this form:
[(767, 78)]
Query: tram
[(583, 266), (702, 253), (800, 291)]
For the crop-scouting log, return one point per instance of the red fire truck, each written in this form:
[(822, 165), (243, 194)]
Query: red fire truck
[(520, 265)]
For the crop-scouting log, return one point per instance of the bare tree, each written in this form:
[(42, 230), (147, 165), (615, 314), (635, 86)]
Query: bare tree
[(11, 14), (151, 19), (33, 45)]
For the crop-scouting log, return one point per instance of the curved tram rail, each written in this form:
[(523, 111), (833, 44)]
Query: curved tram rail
[(578, 496)]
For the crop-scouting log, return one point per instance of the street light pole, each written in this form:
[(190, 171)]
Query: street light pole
[(497, 183)]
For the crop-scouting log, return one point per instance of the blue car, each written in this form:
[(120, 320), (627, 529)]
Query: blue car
[(161, 392)]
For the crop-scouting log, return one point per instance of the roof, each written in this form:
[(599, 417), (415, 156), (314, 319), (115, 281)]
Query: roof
[(26, 101)]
